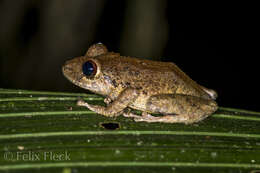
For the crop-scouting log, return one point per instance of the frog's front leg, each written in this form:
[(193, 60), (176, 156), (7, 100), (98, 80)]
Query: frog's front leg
[(116, 107), (176, 108), (114, 94)]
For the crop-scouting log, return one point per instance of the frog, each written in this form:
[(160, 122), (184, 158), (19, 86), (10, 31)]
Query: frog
[(129, 83)]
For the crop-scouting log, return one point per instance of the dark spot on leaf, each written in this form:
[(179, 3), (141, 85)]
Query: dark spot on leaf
[(110, 126)]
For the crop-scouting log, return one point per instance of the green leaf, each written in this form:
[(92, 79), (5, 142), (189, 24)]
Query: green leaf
[(47, 132)]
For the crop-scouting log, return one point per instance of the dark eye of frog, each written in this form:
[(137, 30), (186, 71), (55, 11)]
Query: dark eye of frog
[(89, 68)]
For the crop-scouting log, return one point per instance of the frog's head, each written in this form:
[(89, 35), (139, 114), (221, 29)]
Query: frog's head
[(85, 71)]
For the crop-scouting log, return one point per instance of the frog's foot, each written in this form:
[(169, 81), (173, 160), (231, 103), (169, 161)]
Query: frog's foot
[(81, 102), (114, 108), (145, 116), (164, 119)]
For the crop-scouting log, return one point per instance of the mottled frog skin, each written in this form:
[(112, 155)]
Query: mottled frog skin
[(149, 86)]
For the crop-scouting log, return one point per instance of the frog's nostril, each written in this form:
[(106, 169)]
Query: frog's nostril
[(69, 66), (66, 68)]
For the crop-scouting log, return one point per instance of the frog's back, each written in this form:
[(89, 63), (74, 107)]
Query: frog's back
[(154, 77)]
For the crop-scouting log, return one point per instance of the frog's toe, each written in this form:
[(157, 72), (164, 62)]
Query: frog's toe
[(107, 100), (82, 103), (146, 115), (131, 115)]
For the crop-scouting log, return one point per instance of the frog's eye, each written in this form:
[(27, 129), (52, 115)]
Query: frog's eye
[(89, 68)]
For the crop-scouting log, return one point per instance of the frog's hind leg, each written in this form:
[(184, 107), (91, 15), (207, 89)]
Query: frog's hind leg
[(177, 108)]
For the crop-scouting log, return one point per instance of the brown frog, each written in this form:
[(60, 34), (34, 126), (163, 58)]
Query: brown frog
[(149, 86)]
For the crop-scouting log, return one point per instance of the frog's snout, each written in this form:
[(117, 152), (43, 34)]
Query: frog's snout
[(66, 68), (69, 69), (70, 66)]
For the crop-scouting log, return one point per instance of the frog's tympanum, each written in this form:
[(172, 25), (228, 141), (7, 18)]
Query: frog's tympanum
[(145, 85)]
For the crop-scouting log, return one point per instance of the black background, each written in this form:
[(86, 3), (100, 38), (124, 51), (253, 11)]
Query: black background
[(214, 43)]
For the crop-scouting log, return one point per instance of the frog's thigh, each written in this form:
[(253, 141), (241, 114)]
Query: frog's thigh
[(179, 108), (115, 108)]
